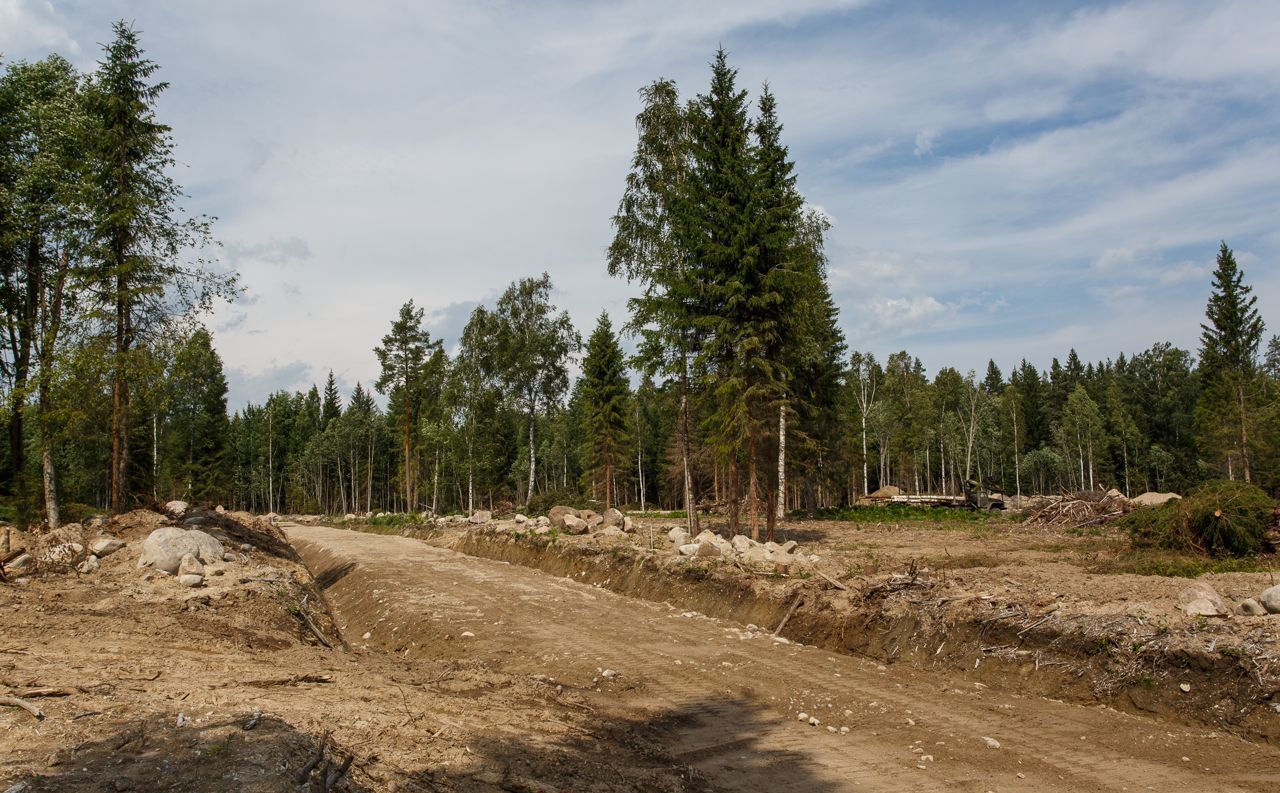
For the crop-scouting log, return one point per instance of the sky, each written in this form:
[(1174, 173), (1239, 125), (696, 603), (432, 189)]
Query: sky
[(1005, 180)]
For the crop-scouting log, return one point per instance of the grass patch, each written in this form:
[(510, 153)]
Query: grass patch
[(967, 561), (1175, 564), (903, 513)]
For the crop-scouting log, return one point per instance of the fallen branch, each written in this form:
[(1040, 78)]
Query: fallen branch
[(290, 681), (306, 620), (304, 773), (14, 702), (338, 773), (831, 580), (790, 611)]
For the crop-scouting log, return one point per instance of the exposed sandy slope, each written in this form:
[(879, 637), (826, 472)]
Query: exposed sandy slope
[(726, 701), (130, 654)]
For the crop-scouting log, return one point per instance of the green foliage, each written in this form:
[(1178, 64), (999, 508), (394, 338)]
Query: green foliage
[(605, 397), (1219, 518), (903, 513)]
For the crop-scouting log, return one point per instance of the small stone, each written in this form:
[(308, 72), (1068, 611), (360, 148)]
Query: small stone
[(844, 730), (190, 580), (1021, 775), (89, 565), (246, 547), (367, 636), (182, 717), (228, 557), (190, 565), (802, 716), (105, 546), (609, 673), (522, 519), (1251, 608), (991, 743), (813, 721), (1202, 600), (467, 635), (1185, 688)]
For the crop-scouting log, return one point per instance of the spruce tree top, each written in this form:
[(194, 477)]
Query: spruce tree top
[(1230, 339)]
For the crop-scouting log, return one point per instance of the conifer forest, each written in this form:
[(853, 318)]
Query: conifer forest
[(727, 386)]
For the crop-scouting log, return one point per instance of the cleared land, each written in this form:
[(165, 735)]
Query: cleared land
[(467, 673)]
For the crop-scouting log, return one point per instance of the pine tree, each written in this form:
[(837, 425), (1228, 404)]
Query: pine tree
[(993, 383), (138, 226), (605, 397), (717, 219), (331, 407), (197, 437), (407, 355), (1229, 344)]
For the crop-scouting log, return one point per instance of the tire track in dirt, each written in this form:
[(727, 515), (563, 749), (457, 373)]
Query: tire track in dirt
[(727, 705)]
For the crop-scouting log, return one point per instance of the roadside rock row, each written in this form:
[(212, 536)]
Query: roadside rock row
[(750, 710)]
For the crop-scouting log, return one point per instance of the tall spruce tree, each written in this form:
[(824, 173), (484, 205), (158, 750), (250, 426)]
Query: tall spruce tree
[(331, 406), (1229, 343), (139, 229), (717, 219), (605, 396), (408, 358)]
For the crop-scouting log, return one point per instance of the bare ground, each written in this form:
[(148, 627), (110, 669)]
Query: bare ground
[(524, 703)]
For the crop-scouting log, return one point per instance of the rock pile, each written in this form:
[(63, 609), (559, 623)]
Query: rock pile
[(707, 544), (1202, 600)]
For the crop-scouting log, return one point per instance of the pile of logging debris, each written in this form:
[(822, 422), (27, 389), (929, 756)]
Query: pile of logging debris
[(1077, 510)]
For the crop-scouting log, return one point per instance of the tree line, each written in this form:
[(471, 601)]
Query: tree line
[(101, 277), (741, 395)]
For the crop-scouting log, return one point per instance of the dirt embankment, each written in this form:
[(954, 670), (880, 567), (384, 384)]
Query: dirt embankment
[(143, 684), (747, 710), (1200, 673)]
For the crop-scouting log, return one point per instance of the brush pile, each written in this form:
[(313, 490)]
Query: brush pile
[(1079, 509)]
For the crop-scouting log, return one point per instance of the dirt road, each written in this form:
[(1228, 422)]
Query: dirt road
[(728, 699)]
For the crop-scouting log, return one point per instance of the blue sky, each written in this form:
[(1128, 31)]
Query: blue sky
[(1004, 179)]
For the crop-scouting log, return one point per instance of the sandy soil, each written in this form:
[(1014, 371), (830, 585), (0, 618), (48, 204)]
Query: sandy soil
[(726, 699), (451, 672)]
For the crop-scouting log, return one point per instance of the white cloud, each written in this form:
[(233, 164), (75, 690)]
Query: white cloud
[(925, 139), (29, 28), (441, 150)]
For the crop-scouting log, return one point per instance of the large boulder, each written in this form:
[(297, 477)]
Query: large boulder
[(678, 535), (481, 516), (164, 548), (177, 508), (1153, 499), (1202, 600), (572, 524), (613, 517), (1270, 599), (557, 515), (609, 532)]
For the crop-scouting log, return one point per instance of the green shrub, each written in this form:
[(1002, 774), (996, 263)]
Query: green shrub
[(1218, 518), (542, 503)]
